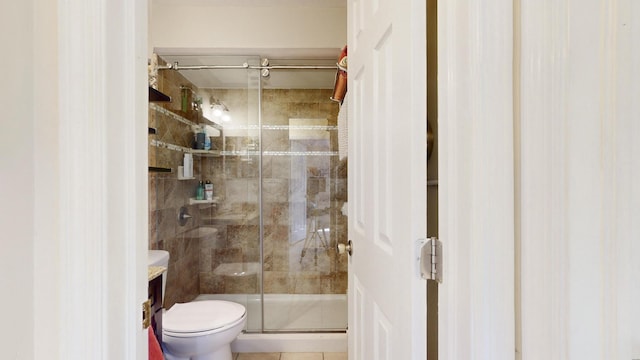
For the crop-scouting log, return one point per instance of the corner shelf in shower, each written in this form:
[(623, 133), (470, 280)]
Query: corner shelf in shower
[(205, 153), (174, 147), (179, 118), (157, 96), (180, 177), (160, 169), (193, 201)]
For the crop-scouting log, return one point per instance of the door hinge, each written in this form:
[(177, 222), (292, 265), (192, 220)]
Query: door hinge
[(430, 259), (146, 314)]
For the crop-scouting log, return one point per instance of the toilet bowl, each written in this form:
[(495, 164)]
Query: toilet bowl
[(198, 330), (202, 330)]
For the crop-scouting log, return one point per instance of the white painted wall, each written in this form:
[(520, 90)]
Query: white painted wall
[(46, 178), (205, 25), (17, 181)]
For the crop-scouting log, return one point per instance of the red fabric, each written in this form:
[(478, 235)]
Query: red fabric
[(155, 353)]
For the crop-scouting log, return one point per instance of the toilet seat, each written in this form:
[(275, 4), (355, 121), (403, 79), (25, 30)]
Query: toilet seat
[(200, 318)]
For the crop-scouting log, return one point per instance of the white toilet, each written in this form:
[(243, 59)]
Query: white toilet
[(199, 330)]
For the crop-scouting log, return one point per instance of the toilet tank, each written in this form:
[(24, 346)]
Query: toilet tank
[(160, 258)]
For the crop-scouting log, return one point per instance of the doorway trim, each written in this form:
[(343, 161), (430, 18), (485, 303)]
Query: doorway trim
[(475, 131), (103, 237)]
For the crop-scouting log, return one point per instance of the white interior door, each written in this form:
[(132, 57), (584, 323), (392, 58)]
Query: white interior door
[(387, 178)]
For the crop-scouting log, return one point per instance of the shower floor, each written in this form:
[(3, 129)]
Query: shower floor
[(291, 313)]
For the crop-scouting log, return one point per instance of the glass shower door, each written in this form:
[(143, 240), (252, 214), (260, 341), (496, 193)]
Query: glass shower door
[(231, 266), (303, 193)]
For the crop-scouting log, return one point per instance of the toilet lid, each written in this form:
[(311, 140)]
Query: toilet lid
[(199, 316)]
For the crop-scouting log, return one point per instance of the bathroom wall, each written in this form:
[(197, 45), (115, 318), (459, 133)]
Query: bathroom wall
[(167, 194), (230, 25)]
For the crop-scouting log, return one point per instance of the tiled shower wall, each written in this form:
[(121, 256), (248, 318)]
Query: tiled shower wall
[(196, 249), (167, 195)]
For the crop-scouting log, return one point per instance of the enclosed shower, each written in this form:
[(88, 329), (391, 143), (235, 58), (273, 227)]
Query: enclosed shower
[(266, 237)]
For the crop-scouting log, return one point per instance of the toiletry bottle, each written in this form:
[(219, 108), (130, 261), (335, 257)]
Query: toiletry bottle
[(208, 190), (207, 141), (190, 165), (185, 166), (187, 163), (200, 140), (200, 191), (185, 100)]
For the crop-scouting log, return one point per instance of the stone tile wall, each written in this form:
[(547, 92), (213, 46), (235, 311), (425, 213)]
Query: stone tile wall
[(167, 195)]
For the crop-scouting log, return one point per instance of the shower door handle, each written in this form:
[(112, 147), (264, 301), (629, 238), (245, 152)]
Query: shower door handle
[(342, 248)]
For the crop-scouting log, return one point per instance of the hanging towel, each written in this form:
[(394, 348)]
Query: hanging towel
[(155, 353), (343, 130)]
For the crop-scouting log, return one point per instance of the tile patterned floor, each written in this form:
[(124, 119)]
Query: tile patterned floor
[(290, 356)]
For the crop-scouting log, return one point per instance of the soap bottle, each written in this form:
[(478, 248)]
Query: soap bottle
[(200, 191), (208, 190)]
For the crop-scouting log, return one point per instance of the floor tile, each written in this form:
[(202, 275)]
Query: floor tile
[(335, 356), (301, 356), (258, 356)]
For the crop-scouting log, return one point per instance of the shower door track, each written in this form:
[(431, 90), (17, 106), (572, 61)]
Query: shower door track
[(176, 66)]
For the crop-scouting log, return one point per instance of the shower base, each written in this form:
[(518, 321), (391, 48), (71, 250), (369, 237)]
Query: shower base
[(292, 323)]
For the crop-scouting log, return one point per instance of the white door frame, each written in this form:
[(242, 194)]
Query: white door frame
[(476, 211), (580, 170), (565, 114), (100, 271)]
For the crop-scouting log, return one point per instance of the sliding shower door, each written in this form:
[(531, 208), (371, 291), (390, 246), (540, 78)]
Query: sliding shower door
[(303, 204), (267, 237), (230, 262)]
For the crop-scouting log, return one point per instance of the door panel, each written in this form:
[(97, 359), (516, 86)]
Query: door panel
[(387, 178)]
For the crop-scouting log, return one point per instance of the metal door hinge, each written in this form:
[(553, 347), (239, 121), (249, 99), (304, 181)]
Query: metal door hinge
[(430, 259), (146, 314)]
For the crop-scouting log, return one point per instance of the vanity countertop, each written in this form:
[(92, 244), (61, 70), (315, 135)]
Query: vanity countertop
[(155, 271)]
